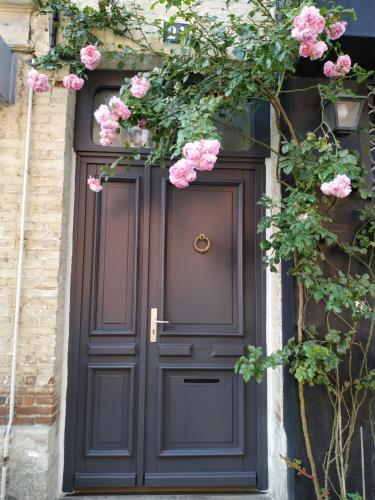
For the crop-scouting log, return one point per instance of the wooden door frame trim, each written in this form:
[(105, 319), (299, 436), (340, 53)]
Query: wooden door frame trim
[(73, 351), (93, 153)]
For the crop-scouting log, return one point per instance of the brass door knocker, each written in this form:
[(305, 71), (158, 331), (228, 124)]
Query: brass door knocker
[(202, 243)]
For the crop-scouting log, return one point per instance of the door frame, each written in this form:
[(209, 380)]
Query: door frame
[(87, 150)]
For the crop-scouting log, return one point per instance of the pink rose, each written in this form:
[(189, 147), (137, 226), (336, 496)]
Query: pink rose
[(319, 24), (312, 18), (90, 56), (94, 184), (211, 146), (309, 13), (329, 70), (299, 23), (343, 65), (102, 114), (140, 86), (340, 187), (336, 30), (182, 173), (38, 81), (318, 50), (193, 151), (297, 34), (119, 110), (305, 49), (207, 162), (73, 82), (326, 188)]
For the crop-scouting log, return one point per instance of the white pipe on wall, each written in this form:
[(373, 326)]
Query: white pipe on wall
[(13, 379)]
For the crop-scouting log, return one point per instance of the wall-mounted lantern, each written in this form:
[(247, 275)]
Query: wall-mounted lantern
[(343, 115)]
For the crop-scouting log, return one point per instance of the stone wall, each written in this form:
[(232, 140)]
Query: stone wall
[(36, 452)]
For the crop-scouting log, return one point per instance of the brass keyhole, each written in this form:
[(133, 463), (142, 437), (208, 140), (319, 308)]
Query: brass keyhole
[(202, 243)]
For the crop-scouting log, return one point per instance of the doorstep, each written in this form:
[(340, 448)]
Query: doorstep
[(239, 496)]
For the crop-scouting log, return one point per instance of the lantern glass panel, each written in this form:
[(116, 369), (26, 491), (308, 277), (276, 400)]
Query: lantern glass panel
[(347, 113)]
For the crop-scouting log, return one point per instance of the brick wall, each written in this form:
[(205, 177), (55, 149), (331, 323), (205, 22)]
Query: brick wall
[(44, 248)]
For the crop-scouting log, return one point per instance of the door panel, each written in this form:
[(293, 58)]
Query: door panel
[(211, 280), (105, 322), (169, 413), (200, 415), (114, 304)]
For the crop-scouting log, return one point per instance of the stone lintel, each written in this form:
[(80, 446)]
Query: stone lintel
[(15, 23)]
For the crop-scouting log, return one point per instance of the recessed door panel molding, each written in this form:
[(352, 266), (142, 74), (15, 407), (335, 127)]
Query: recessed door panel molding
[(202, 479), (192, 399), (210, 278), (109, 411), (115, 258)]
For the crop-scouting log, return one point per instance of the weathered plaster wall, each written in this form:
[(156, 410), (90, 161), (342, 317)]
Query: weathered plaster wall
[(36, 453)]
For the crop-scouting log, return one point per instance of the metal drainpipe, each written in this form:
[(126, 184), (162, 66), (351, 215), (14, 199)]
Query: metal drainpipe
[(16, 330)]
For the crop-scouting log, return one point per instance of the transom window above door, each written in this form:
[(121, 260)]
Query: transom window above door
[(235, 132)]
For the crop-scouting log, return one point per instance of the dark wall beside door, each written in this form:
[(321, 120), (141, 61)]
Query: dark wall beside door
[(304, 108)]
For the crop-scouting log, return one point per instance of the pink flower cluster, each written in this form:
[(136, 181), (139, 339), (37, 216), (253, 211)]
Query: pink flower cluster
[(38, 81), (108, 118), (336, 30), (119, 110), (94, 184), (182, 173), (73, 82), (199, 155), (139, 87), (307, 26), (341, 68), (340, 187), (90, 56), (313, 50)]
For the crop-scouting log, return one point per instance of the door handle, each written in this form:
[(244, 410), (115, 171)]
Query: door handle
[(154, 324)]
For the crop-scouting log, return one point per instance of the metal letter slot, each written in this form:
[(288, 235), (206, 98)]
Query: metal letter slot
[(154, 324)]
